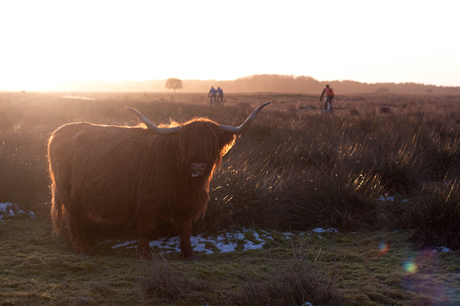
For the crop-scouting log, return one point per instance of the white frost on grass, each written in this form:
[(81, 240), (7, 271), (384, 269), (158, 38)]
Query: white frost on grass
[(250, 245), (441, 249), (124, 244), (225, 243), (10, 210), (287, 235), (222, 243), (391, 199), (322, 230)]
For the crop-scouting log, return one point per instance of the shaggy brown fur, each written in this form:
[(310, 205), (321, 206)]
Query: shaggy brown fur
[(120, 174)]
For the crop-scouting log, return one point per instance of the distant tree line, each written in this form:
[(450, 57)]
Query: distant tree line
[(260, 83)]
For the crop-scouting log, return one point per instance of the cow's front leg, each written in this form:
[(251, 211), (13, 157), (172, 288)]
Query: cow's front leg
[(185, 232)]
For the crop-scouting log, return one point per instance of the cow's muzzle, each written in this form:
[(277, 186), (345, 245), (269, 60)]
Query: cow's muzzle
[(197, 169)]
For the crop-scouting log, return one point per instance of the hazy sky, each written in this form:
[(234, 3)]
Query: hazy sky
[(48, 42)]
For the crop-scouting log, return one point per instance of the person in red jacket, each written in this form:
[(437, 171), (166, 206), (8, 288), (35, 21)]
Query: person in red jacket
[(329, 96)]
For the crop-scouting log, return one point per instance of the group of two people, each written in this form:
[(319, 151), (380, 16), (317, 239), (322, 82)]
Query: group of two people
[(216, 95)]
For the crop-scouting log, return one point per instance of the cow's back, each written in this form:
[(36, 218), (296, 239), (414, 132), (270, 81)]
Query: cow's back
[(96, 169), (61, 148)]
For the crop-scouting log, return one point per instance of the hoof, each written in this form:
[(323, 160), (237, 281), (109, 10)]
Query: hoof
[(193, 258)]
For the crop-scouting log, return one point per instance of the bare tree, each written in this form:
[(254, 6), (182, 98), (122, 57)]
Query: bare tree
[(382, 90), (173, 83)]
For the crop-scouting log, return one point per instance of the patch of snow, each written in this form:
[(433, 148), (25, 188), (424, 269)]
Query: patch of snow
[(441, 249), (391, 199), (239, 236), (199, 244), (226, 247), (223, 243), (321, 230), (124, 244), (249, 245), (266, 235), (228, 242), (287, 235), (10, 210), (264, 232)]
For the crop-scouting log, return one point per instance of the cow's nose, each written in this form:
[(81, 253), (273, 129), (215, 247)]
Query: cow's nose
[(197, 169)]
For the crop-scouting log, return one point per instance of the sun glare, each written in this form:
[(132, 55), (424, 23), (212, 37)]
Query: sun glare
[(53, 42)]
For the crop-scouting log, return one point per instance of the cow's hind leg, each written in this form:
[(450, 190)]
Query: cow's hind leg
[(185, 232), (76, 234), (143, 248)]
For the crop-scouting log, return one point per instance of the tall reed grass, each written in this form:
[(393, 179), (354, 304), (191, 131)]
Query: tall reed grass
[(293, 170)]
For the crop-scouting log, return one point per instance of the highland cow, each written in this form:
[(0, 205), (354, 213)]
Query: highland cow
[(119, 174)]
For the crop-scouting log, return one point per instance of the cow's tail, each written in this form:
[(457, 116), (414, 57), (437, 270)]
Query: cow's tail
[(57, 209)]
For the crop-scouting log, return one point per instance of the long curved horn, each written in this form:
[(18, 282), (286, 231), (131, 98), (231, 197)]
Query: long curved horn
[(153, 127), (242, 128)]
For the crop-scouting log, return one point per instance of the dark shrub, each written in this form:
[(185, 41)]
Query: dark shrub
[(354, 112), (435, 217)]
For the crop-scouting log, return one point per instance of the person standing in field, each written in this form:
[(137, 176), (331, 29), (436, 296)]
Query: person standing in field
[(220, 95), (212, 95), (329, 96)]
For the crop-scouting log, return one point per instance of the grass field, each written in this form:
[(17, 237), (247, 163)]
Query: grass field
[(383, 171)]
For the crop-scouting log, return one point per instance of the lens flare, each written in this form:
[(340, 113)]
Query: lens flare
[(410, 267), (384, 247)]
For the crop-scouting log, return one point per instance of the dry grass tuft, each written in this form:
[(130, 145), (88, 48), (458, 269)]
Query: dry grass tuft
[(297, 284), (162, 283)]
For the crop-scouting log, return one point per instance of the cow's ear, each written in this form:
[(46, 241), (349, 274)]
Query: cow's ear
[(226, 142)]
